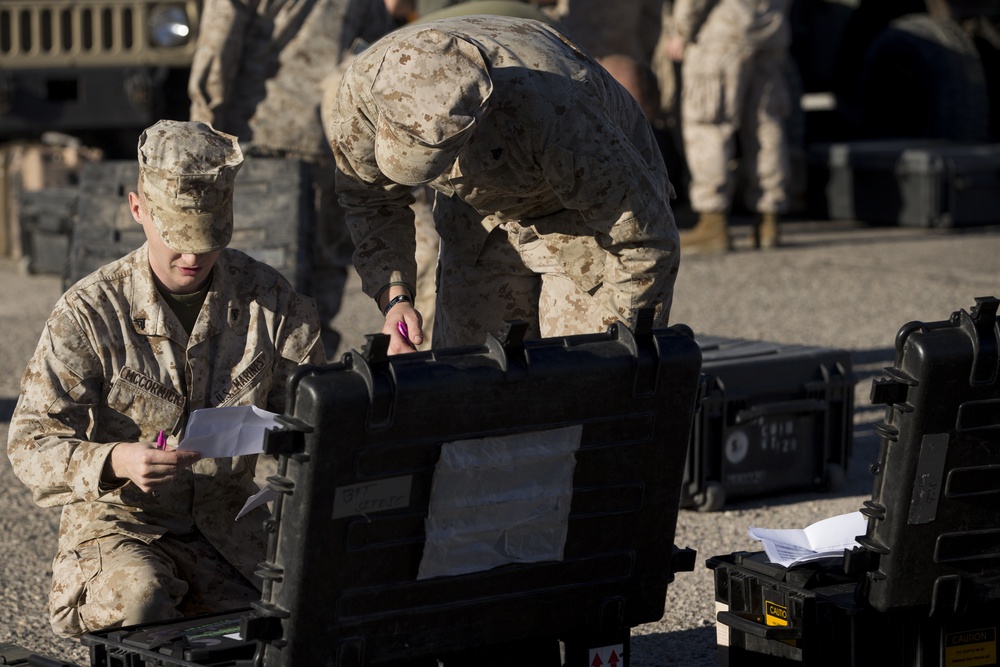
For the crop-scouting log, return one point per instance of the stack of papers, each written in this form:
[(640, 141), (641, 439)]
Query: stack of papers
[(823, 539)]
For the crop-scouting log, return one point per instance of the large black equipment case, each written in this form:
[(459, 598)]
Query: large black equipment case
[(775, 418), (273, 217), (361, 476), (934, 515), (913, 183), (923, 589)]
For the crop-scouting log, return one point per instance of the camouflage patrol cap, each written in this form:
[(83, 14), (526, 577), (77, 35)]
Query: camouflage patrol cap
[(188, 173), (430, 91)]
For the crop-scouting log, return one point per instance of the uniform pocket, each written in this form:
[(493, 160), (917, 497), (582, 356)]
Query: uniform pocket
[(711, 83), (138, 406), (72, 570)]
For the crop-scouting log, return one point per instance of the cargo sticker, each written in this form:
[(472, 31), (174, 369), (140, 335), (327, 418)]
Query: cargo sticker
[(928, 478), (371, 497), (970, 648), (737, 446), (606, 656), (780, 436), (775, 614)]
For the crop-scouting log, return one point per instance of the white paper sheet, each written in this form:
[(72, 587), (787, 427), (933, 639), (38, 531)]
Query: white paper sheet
[(265, 495), (823, 539), (236, 430)]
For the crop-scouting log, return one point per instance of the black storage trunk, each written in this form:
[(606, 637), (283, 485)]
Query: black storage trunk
[(46, 218), (908, 182), (775, 418), (273, 217), (813, 615), (934, 516), (361, 479), (203, 641), (104, 229)]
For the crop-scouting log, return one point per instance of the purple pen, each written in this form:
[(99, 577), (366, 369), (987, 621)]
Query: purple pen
[(401, 326), (161, 441)]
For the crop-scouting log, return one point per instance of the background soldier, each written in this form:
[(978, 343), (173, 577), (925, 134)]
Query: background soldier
[(257, 73), (733, 84), (181, 323)]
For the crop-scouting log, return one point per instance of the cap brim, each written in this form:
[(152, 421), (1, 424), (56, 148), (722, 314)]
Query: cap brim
[(406, 161), (195, 233)]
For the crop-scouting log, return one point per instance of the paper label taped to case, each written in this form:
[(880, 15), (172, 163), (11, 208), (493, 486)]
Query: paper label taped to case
[(499, 500)]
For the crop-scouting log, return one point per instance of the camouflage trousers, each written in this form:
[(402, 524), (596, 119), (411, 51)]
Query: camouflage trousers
[(428, 246), (331, 259), (117, 580), (516, 277), (732, 94)]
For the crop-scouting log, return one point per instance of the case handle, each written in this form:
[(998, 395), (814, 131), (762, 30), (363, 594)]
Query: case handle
[(751, 627)]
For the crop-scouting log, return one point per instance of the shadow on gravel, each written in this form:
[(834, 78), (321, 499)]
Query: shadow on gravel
[(684, 648), (7, 409)]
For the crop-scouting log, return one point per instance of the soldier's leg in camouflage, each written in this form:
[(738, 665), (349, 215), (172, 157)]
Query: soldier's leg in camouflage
[(214, 585), (764, 138), (125, 582), (710, 148), (428, 247), (477, 295), (564, 309)]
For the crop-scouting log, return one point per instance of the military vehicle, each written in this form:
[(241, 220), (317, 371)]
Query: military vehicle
[(98, 70)]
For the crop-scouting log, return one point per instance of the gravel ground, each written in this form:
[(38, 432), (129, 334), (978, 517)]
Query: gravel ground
[(833, 284)]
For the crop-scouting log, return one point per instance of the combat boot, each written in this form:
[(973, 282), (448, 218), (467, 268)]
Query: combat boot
[(710, 235), (765, 232)]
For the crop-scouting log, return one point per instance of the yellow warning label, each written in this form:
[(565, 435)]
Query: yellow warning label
[(775, 614), (970, 648)]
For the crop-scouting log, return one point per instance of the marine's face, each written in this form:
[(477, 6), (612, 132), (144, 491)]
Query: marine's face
[(177, 273)]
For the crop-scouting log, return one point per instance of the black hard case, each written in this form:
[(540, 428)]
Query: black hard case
[(907, 182), (934, 516), (775, 418), (273, 217), (343, 590), (815, 616), (200, 641)]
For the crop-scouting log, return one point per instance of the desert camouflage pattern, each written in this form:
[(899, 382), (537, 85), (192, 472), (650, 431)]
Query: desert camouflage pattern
[(735, 84), (130, 582), (563, 152), (114, 365), (188, 173), (259, 64)]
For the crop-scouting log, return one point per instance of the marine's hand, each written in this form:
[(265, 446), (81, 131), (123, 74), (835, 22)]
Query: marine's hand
[(145, 465), (405, 314)]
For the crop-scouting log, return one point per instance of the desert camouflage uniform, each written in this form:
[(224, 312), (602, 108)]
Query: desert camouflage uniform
[(734, 81), (257, 74), (556, 210), (114, 365)]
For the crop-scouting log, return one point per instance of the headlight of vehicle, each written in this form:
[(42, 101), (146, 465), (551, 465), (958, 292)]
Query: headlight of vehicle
[(169, 25)]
